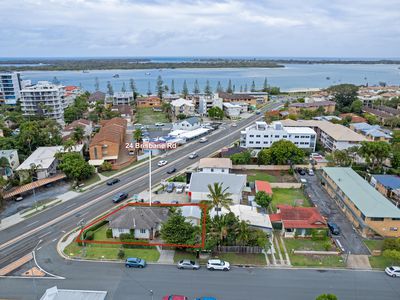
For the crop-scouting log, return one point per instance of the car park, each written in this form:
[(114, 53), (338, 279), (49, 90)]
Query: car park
[(393, 271), (170, 187), (113, 181), (203, 140), (301, 171), (119, 197), (175, 297), (135, 262), (162, 163), (179, 189), (188, 264), (193, 155), (171, 170), (218, 264), (334, 228)]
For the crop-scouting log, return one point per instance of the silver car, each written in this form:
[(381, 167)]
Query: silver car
[(188, 264)]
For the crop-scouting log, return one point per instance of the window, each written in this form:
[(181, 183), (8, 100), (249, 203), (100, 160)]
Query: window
[(393, 228), (265, 136), (395, 219), (143, 230), (258, 142), (212, 170), (251, 135), (296, 136), (285, 136), (258, 135), (251, 142), (377, 219), (277, 136)]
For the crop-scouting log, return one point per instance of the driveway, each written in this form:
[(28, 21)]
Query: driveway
[(348, 238)]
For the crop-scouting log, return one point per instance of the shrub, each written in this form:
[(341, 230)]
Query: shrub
[(105, 166), (121, 253), (109, 234), (126, 237), (89, 235), (327, 245), (391, 244), (319, 234)]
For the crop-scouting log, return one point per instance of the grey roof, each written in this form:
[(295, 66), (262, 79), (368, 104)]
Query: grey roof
[(134, 217), (368, 200), (192, 120), (60, 294), (191, 211), (199, 182)]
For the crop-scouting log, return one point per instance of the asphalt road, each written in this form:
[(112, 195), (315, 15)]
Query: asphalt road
[(50, 225)]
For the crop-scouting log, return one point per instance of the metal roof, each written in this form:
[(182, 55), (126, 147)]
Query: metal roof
[(389, 181), (199, 182), (368, 200)]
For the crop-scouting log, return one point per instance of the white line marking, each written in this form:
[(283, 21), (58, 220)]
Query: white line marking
[(38, 248), (54, 240), (32, 223), (44, 234), (41, 269), (70, 205)]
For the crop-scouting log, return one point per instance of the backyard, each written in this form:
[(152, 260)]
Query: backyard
[(293, 197), (147, 116), (270, 176)]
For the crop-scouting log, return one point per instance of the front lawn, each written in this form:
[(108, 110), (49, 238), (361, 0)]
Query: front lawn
[(306, 244), (147, 116), (374, 244), (379, 262), (243, 258), (288, 196)]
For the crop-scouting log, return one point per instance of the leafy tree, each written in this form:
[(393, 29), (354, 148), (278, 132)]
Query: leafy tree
[(356, 106), (106, 166), (326, 297), (78, 134), (137, 135), (371, 119), (207, 89), (264, 157), (160, 88), (253, 86), (196, 89), (281, 153), (392, 122), (243, 158), (395, 160), (392, 254), (341, 158), (243, 233), (229, 88), (181, 116), (274, 90), (391, 244), (185, 90), (75, 167), (216, 112), (176, 230), (263, 199), (344, 94), (219, 197), (375, 153), (173, 87)]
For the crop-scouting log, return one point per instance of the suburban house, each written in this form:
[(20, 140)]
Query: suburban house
[(367, 209), (332, 136), (206, 102), (12, 160), (192, 213), (86, 125), (182, 106), (326, 106), (232, 110), (248, 214), (371, 132), (237, 97), (151, 101), (125, 111), (262, 135), (298, 221), (144, 222), (354, 118), (191, 123), (388, 186), (263, 186), (121, 98), (43, 161), (70, 94), (198, 188), (97, 97), (215, 165), (106, 144), (383, 113)]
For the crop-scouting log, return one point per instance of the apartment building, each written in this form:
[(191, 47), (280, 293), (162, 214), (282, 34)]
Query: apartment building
[(262, 135), (182, 106), (331, 136), (151, 101), (13, 162), (367, 209), (121, 98), (44, 98), (381, 112), (10, 86), (207, 102), (327, 106), (232, 110), (227, 97)]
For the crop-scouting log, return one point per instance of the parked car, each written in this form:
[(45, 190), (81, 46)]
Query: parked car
[(162, 163), (234, 125), (203, 140), (334, 228), (174, 202), (119, 197), (301, 171), (187, 187), (171, 170), (175, 297), (218, 264), (188, 264), (155, 202), (170, 187), (135, 262), (393, 271), (179, 189), (311, 172), (193, 155), (159, 124), (113, 181), (258, 112)]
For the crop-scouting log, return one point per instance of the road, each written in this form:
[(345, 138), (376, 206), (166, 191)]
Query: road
[(50, 225)]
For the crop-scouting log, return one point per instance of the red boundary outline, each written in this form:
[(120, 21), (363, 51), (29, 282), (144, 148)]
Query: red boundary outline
[(203, 231)]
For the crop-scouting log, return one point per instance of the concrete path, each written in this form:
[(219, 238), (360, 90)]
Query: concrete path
[(358, 262), (166, 256)]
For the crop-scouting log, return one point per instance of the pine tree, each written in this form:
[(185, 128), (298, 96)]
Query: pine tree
[(123, 88), (160, 88), (185, 90), (265, 86), (219, 87), (253, 87), (196, 88), (55, 80), (241, 88), (110, 88), (233, 88), (245, 87), (96, 84), (173, 87), (229, 88), (207, 88), (148, 89)]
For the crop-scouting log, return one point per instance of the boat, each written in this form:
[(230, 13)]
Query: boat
[(147, 73), (328, 78), (116, 75), (85, 71)]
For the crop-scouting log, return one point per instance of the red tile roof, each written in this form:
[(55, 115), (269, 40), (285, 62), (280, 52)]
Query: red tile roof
[(263, 186), (70, 88), (298, 217)]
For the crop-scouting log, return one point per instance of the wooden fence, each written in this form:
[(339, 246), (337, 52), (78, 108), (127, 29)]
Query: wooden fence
[(238, 249)]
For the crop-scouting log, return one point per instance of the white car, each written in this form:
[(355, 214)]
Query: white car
[(234, 125), (162, 163), (193, 155), (179, 189), (393, 271), (159, 124), (311, 172), (218, 264), (203, 140)]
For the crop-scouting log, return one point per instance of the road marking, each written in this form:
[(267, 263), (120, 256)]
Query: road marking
[(38, 248), (70, 205), (32, 223), (44, 234), (53, 240), (88, 204)]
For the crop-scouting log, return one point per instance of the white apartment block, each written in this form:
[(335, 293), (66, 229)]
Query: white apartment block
[(122, 98), (262, 135), (44, 98), (9, 88), (11, 156), (182, 106), (232, 110), (207, 102)]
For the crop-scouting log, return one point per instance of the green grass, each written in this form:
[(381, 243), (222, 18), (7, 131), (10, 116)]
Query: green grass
[(147, 116), (374, 244), (179, 255), (288, 196), (260, 175), (305, 244), (95, 178), (381, 262), (243, 259), (100, 234), (113, 172)]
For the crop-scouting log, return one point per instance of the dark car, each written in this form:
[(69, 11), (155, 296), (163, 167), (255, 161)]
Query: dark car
[(113, 181), (334, 228), (172, 170), (301, 171), (119, 197), (155, 202), (170, 187), (135, 262)]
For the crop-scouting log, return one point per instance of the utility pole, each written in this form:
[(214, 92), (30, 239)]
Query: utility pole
[(150, 177)]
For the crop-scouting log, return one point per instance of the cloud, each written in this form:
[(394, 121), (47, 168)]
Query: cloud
[(367, 28)]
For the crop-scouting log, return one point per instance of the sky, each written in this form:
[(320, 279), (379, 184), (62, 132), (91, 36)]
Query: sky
[(270, 28)]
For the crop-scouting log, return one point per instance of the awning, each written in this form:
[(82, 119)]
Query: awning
[(33, 185), (96, 162)]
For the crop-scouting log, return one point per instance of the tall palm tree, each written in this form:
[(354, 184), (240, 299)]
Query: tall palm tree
[(243, 233), (219, 197), (78, 134)]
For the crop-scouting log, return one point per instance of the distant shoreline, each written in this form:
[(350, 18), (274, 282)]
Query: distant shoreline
[(91, 64)]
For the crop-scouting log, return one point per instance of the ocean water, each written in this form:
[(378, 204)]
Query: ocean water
[(291, 77)]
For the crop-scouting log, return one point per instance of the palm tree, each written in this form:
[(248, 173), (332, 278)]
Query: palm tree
[(78, 134), (243, 234), (69, 145), (137, 135), (219, 197)]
